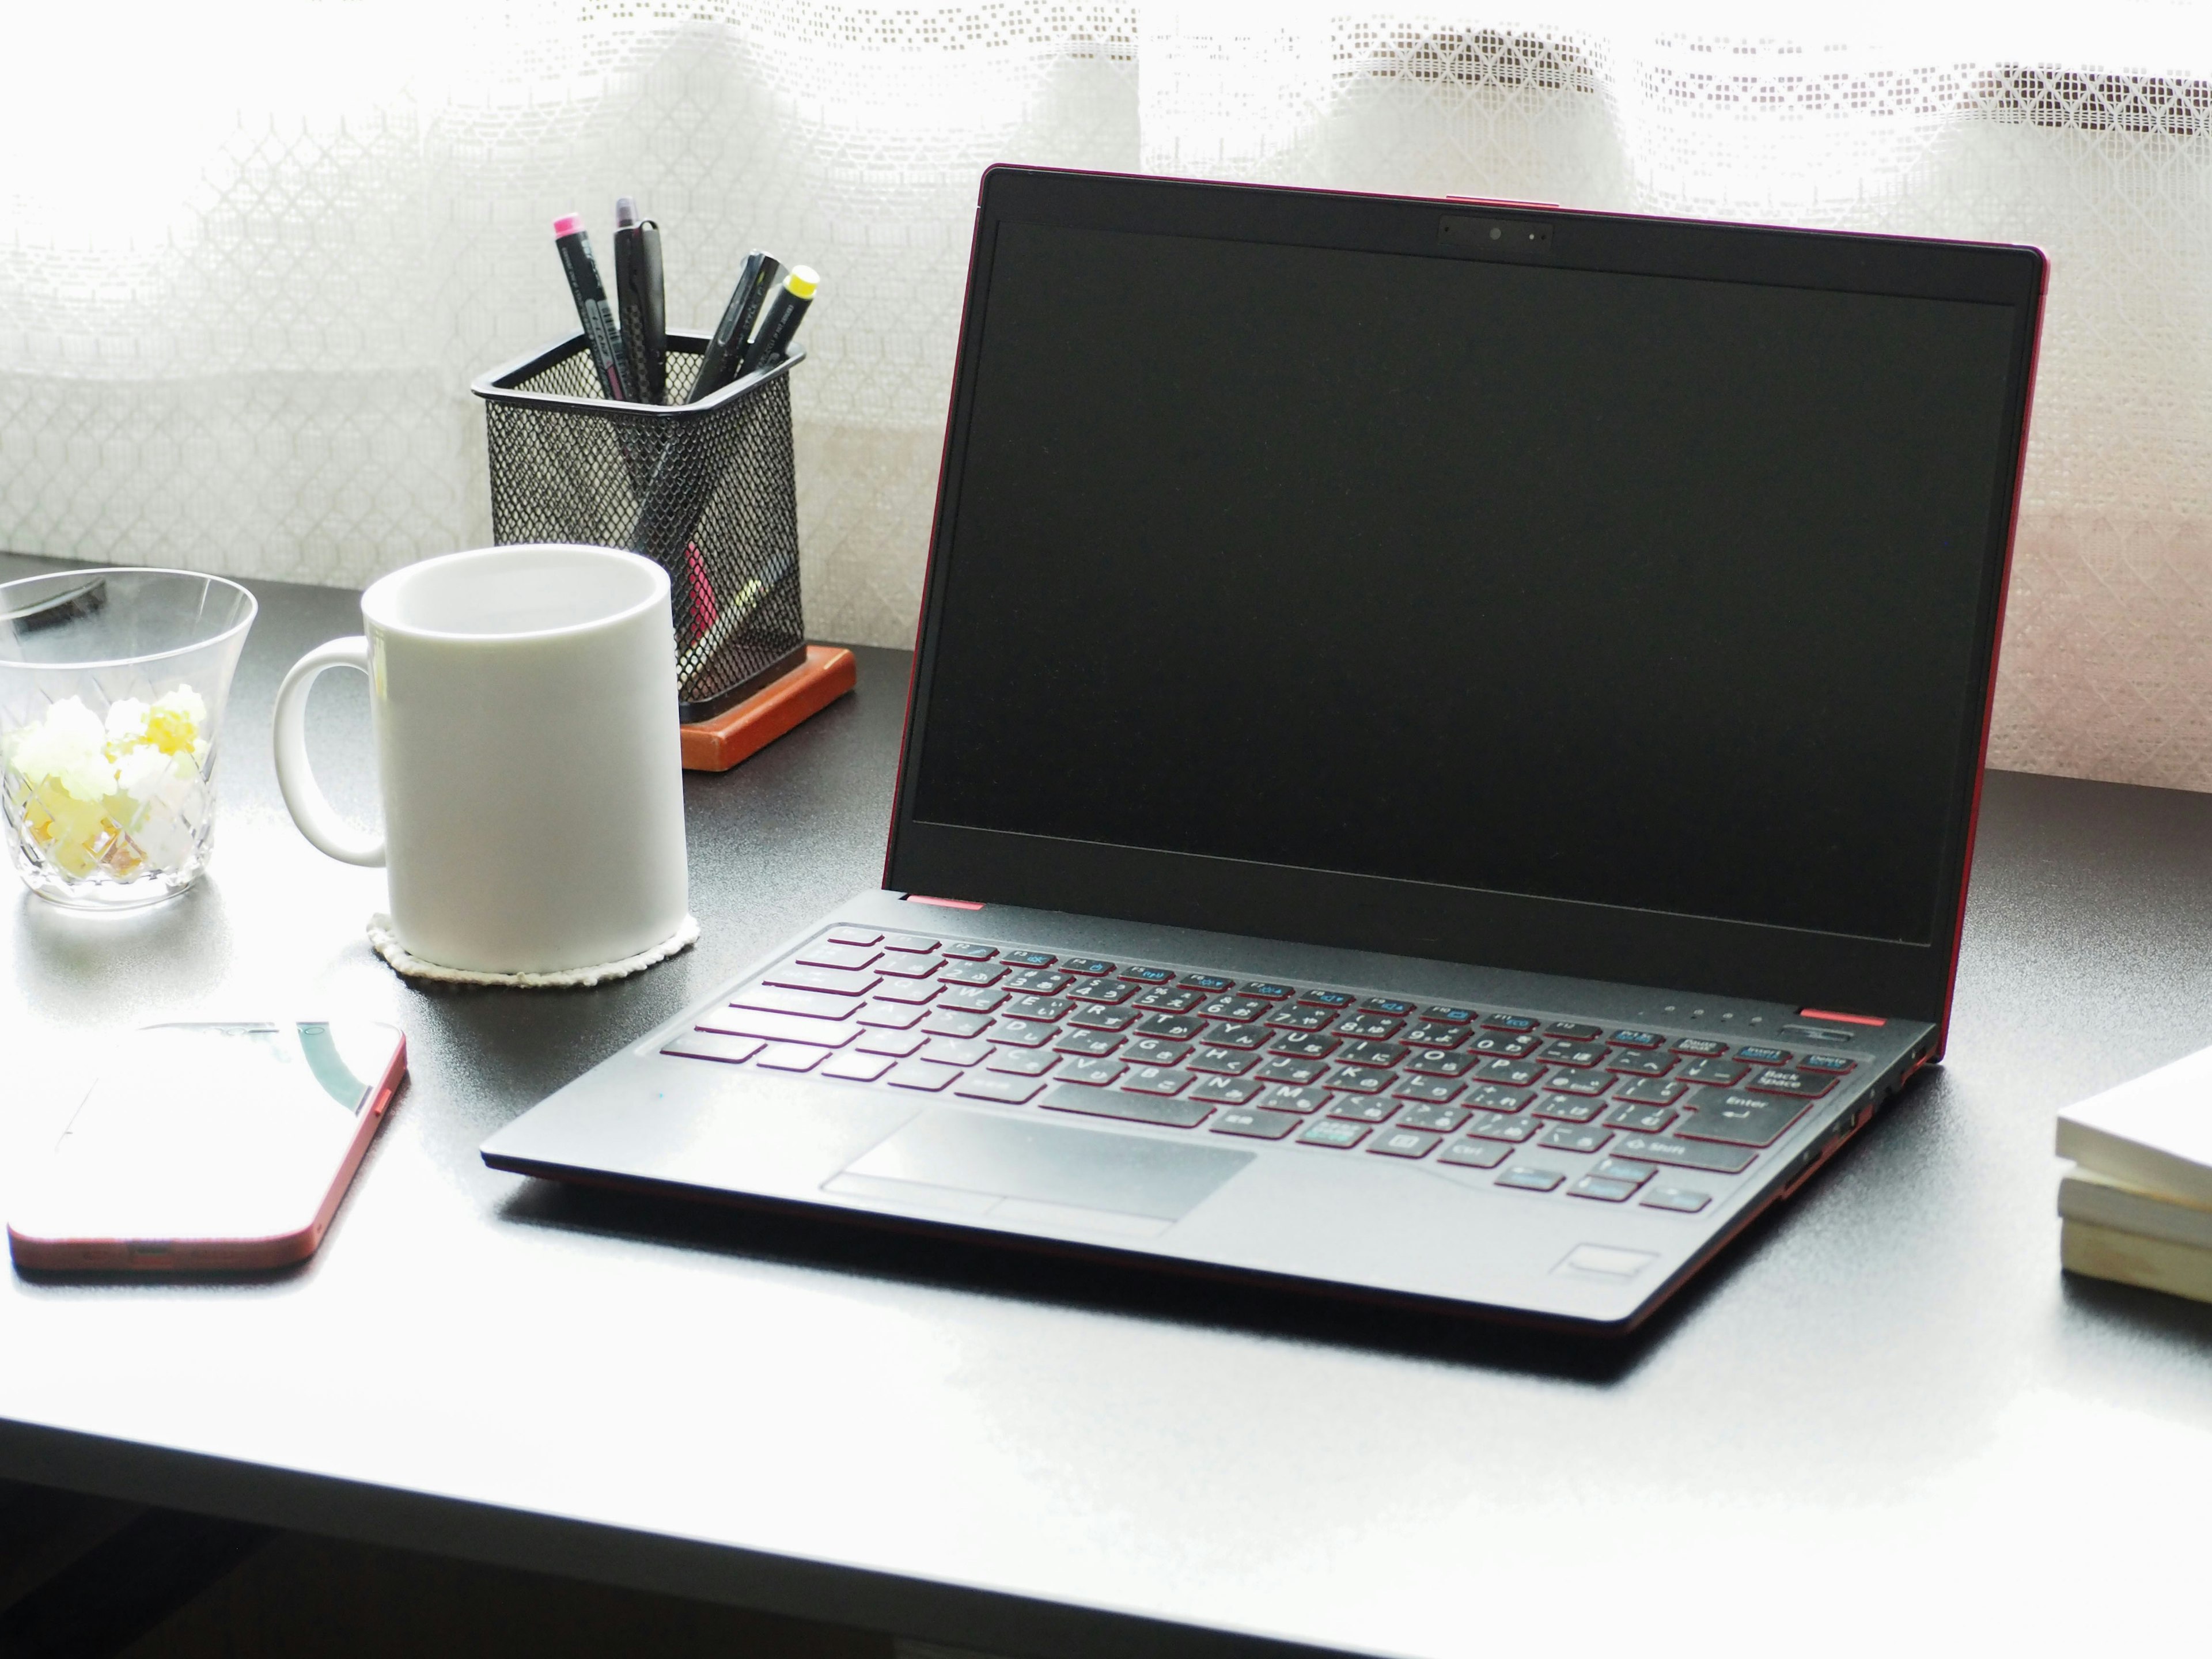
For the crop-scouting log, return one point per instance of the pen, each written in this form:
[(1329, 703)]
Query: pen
[(641, 299), (726, 347), (591, 297), (785, 312)]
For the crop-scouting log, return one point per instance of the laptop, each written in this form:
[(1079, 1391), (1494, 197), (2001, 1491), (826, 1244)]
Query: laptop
[(1441, 757)]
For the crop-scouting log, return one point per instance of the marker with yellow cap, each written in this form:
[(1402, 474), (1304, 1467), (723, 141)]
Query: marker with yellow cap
[(785, 312)]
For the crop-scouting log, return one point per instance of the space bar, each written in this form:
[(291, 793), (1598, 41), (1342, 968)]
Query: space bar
[(1138, 1108)]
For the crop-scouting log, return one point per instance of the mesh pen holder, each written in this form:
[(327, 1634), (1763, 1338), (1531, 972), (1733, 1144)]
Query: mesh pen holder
[(704, 490)]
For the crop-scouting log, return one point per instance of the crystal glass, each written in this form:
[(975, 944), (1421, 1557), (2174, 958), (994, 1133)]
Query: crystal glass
[(112, 691)]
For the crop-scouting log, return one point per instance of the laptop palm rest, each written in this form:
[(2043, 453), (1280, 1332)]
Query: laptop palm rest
[(978, 1165)]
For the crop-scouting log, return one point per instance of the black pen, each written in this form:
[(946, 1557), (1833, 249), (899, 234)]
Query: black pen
[(726, 348), (641, 298), (785, 312), (591, 297)]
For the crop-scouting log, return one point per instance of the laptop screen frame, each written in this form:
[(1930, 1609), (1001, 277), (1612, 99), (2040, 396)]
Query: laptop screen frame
[(1475, 926)]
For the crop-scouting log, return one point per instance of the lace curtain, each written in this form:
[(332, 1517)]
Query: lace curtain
[(252, 255)]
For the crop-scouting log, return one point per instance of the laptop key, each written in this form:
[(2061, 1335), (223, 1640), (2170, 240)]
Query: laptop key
[(899, 1045), (1604, 1189), (1371, 1054), (1156, 1080), (1489, 1097), (1439, 1062), (975, 999), (1651, 1091), (1176, 1028), (971, 973), (1434, 1034), (921, 1076), (1725, 1073), (1300, 1098), (1528, 1179), (1445, 1013), (1100, 990), (1574, 1137), (909, 967), (1363, 1108), (1507, 1023), (1101, 1019), (1033, 1008), (1228, 1063), (1022, 1062), (913, 993), (1236, 1011), (1366, 1024), (1640, 1064), (970, 953), (1627, 1169), (856, 1067), (1288, 1068), (1579, 1083), (1025, 958), (1149, 975), (1152, 1051), (1680, 1198), (955, 1023), (713, 1045), (1091, 1073), (1360, 1080), (1170, 998), (1496, 1125), (1396, 1007), (857, 936), (1779, 1080), (1025, 1033), (1208, 982), (890, 1017), (1638, 1039), (838, 956), (1568, 1109), (910, 943), (1224, 1091), (1581, 1055), (1567, 1028), (956, 1051), (1684, 1154), (1444, 1119), (1741, 1121), (789, 1057), (1301, 1019), (775, 1000), (1091, 965), (1300, 1046), (1088, 1042), (1519, 1073), (1512, 1044), (1328, 999), (1403, 1143), (1759, 1054), (1259, 1124), (781, 1028), (1331, 1132), (1644, 1120), (1264, 988), (1475, 1154), (838, 981), (1036, 981), (1825, 1063), (1237, 1036), (1709, 1048), (997, 1086), (1130, 1107), (1433, 1090)]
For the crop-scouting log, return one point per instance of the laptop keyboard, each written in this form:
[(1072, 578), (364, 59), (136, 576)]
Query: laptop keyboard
[(1549, 1105)]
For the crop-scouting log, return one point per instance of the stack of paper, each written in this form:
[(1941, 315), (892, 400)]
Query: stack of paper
[(2136, 1206)]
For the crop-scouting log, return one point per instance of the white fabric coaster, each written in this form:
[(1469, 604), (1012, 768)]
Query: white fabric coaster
[(387, 945)]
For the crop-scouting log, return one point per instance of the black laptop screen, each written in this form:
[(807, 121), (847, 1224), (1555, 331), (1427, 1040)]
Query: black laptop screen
[(1633, 590)]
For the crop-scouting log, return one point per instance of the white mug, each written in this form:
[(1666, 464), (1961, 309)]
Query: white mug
[(523, 702)]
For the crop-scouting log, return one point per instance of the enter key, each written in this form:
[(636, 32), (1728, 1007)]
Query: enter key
[(1738, 1118)]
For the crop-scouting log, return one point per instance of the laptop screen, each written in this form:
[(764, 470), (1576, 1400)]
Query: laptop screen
[(1639, 591)]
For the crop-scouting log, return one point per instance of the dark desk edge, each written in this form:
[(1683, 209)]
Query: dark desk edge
[(824, 1592)]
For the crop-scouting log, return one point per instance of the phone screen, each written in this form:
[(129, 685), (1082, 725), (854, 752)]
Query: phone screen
[(212, 1132)]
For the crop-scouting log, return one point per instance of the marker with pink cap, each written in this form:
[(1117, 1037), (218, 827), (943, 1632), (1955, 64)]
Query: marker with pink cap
[(600, 330)]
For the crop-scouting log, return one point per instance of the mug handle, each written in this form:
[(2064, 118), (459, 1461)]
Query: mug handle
[(311, 809)]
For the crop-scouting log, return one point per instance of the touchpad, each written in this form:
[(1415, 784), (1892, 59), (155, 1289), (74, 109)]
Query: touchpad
[(982, 1164)]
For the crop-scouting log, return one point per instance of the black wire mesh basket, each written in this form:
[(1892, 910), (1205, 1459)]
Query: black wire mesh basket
[(705, 489)]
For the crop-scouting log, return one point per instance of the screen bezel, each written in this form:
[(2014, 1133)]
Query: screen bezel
[(1476, 925)]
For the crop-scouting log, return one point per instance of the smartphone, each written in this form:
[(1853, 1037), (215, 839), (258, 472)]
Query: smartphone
[(209, 1145)]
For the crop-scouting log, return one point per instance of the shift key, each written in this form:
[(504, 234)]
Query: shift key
[(1684, 1154), (837, 982), (781, 1027)]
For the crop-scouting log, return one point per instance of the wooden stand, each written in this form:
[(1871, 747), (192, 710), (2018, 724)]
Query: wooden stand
[(717, 744)]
